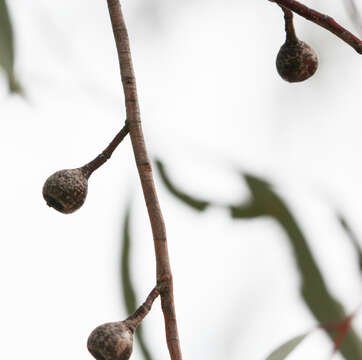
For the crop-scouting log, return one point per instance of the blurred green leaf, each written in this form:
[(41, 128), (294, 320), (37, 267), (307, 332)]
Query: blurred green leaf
[(325, 308), (195, 203), (284, 350), (266, 202), (127, 287), (353, 238), (7, 55), (248, 211)]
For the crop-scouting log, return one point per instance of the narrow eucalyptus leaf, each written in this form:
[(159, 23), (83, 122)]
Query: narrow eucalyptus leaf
[(194, 202), (248, 211), (7, 56), (284, 350), (352, 237), (127, 287), (324, 306), (128, 290)]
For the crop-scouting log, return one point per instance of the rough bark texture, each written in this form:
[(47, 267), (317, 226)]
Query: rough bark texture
[(164, 276)]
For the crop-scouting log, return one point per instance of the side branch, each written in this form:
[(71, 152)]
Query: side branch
[(324, 21), (289, 25), (163, 269), (106, 153), (135, 319)]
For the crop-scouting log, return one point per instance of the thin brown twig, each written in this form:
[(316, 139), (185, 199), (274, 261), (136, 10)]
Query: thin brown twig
[(106, 153), (135, 319), (289, 25), (163, 269), (322, 20)]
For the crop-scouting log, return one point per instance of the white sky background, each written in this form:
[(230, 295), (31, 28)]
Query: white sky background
[(212, 103)]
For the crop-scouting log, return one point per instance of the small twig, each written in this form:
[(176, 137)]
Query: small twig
[(163, 269), (106, 153), (135, 319), (289, 25), (322, 20)]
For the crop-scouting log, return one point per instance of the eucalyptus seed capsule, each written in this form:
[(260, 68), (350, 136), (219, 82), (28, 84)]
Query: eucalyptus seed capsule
[(111, 341), (296, 61), (66, 190)]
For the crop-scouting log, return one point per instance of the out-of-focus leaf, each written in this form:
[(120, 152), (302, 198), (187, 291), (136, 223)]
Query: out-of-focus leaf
[(284, 350), (325, 308), (340, 330), (247, 211), (194, 202), (128, 292), (354, 14), (353, 237), (7, 48), (127, 287)]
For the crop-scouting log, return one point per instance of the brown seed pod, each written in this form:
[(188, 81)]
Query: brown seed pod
[(111, 341), (66, 190), (296, 61), (114, 341)]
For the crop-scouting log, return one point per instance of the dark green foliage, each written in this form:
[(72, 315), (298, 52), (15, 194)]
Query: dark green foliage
[(7, 54), (352, 236), (128, 291), (195, 203), (325, 308), (253, 208), (264, 201)]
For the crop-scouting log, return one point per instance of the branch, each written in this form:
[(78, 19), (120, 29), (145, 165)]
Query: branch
[(324, 21), (163, 269), (106, 153), (135, 319), (289, 25)]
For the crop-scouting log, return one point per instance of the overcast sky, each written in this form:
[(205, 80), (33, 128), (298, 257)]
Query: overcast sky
[(212, 104)]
